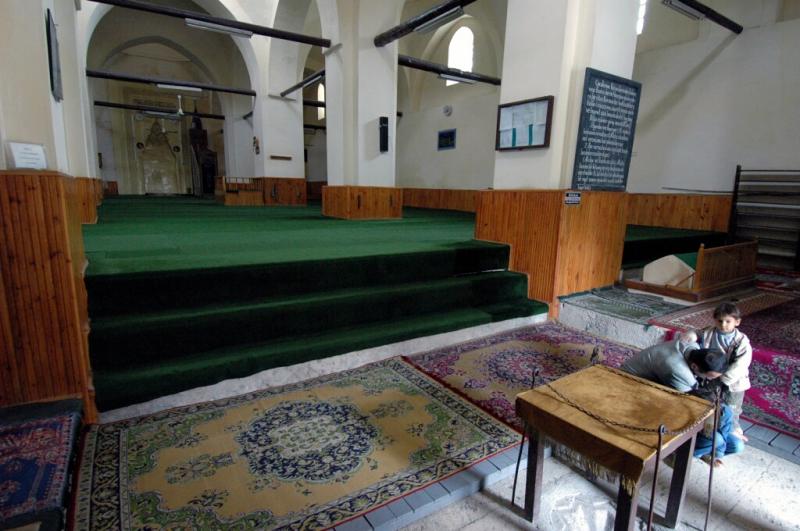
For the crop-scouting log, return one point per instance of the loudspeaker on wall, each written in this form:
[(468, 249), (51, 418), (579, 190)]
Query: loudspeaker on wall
[(383, 127)]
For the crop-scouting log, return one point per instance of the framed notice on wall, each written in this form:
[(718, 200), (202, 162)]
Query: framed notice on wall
[(605, 134), (524, 124)]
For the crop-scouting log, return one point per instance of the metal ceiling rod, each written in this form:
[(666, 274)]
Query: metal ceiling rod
[(404, 28), (705, 11), (159, 110), (100, 74), (235, 24), (313, 78), (453, 73)]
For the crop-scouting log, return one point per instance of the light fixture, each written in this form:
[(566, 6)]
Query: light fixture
[(218, 28), (683, 9), (444, 18), (178, 87), (457, 79)]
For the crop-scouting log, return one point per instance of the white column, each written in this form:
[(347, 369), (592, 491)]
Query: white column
[(548, 45)]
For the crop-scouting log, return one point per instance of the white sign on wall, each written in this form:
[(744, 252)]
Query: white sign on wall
[(24, 155)]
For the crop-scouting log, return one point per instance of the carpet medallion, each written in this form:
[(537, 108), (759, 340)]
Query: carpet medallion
[(303, 456), (620, 303), (702, 315), (491, 371)]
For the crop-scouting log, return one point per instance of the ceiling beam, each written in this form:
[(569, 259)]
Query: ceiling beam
[(234, 24), (707, 12), (313, 78), (101, 74), (404, 28), (148, 108), (436, 68)]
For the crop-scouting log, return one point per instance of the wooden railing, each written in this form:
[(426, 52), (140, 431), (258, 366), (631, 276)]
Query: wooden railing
[(729, 264), (680, 211)]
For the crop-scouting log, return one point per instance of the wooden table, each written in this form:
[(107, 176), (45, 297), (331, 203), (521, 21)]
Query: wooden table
[(620, 397)]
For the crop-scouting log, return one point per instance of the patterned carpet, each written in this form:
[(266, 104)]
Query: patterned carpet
[(788, 281), (774, 399), (776, 328), (491, 371), (701, 316), (34, 463), (622, 304), (303, 456)]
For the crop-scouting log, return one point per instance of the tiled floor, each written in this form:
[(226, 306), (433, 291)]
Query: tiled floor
[(772, 442)]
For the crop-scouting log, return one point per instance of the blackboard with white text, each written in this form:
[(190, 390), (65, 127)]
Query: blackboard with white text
[(605, 135)]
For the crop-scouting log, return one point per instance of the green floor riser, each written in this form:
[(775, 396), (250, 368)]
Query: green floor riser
[(185, 292)]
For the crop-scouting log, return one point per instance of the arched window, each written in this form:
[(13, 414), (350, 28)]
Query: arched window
[(461, 51), (321, 97)]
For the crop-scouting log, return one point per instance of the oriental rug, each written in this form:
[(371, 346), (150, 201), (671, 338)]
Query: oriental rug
[(620, 303), (491, 371), (702, 315), (302, 456), (776, 328), (34, 462), (774, 399), (788, 281)]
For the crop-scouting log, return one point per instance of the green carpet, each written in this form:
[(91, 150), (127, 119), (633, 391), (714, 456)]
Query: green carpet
[(185, 292), (144, 234), (644, 244)]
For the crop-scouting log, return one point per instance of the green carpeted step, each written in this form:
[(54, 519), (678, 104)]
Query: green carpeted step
[(118, 387), (116, 294), (126, 341)]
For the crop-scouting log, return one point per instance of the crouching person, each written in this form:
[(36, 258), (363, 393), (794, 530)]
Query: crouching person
[(682, 365)]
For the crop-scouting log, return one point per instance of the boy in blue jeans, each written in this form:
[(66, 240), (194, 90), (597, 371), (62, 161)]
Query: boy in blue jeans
[(679, 364)]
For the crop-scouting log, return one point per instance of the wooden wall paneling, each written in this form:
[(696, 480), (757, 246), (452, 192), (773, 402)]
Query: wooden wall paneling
[(44, 300), (463, 200), (373, 202), (362, 202), (10, 386), (314, 190), (528, 220), (683, 211), (335, 202), (284, 191), (591, 238), (87, 199)]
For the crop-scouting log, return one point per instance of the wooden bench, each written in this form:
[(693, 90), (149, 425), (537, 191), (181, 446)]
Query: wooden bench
[(719, 270)]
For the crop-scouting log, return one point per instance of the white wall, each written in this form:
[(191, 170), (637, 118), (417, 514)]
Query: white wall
[(470, 165), (716, 102), (27, 104), (423, 95), (317, 157)]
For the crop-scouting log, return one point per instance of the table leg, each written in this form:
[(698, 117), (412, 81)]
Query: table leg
[(677, 488), (627, 504), (533, 481)]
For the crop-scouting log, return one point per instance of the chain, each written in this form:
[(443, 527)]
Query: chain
[(611, 422)]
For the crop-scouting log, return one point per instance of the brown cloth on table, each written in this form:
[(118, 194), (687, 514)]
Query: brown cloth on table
[(616, 396)]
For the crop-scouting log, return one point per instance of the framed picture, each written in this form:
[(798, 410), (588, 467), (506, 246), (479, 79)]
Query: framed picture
[(524, 124), (53, 59), (447, 139)]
